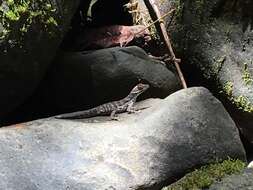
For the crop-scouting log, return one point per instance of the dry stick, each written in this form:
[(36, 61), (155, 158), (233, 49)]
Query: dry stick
[(151, 24), (157, 20), (152, 7)]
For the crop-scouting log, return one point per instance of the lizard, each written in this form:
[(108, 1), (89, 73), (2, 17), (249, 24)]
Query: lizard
[(111, 108)]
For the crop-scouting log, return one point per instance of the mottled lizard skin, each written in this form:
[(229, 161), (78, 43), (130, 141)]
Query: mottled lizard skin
[(111, 108)]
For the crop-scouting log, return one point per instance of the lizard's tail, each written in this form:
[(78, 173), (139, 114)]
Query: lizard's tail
[(76, 115)]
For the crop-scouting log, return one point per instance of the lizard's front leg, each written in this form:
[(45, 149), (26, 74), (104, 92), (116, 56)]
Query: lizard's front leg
[(131, 108)]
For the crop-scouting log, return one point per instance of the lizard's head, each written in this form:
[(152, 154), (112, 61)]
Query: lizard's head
[(139, 88)]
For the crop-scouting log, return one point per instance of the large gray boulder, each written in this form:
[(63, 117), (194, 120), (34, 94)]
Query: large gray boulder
[(237, 181), (30, 33), (146, 150)]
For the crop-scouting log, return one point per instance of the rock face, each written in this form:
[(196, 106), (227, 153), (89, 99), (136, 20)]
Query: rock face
[(234, 182), (30, 33), (146, 150), (79, 80), (216, 37)]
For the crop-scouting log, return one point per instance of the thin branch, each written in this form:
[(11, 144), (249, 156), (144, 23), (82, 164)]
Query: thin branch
[(157, 20), (155, 15)]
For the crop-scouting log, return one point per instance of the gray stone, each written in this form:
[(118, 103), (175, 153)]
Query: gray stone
[(146, 150), (30, 33), (237, 181), (79, 80), (217, 41)]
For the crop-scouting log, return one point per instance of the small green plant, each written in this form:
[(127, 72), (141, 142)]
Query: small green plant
[(207, 175), (243, 103), (246, 76), (228, 88)]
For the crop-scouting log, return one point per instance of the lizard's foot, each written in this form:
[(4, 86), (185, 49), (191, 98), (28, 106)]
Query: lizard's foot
[(136, 110), (132, 110), (115, 118)]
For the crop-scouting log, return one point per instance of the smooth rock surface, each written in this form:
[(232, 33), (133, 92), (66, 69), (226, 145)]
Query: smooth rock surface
[(241, 181), (146, 150), (80, 80)]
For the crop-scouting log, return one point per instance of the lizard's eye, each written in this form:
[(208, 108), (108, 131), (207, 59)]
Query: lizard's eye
[(140, 87)]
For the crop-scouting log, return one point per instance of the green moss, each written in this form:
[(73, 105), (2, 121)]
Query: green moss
[(228, 88), (11, 15), (241, 102), (18, 16), (206, 175), (246, 76)]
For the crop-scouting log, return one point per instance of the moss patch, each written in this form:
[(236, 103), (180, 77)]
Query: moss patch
[(241, 102), (228, 88), (246, 76), (19, 16), (207, 175)]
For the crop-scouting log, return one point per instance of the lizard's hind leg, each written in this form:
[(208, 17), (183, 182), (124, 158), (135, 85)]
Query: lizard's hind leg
[(113, 116)]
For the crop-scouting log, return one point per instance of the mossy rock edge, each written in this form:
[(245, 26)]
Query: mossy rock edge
[(205, 176)]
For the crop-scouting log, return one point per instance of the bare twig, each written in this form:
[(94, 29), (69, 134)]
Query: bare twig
[(155, 15), (157, 20)]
